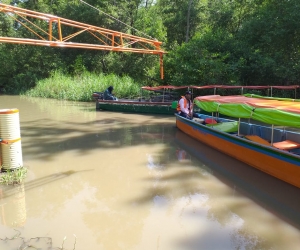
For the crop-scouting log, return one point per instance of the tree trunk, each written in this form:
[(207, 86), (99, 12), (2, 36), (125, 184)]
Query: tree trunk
[(188, 21)]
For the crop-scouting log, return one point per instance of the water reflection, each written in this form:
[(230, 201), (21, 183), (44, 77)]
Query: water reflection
[(187, 194), (182, 154), (127, 181), (217, 213), (12, 206), (276, 196)]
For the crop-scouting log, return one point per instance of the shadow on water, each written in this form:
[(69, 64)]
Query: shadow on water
[(12, 198), (273, 194), (49, 127), (107, 133), (11, 190)]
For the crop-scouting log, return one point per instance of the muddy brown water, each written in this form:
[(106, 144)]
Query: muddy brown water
[(104, 180)]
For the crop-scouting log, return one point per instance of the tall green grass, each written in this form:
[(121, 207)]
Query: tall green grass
[(12, 177), (80, 88)]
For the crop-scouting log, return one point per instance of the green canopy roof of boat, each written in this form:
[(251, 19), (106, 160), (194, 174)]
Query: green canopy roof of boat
[(270, 111)]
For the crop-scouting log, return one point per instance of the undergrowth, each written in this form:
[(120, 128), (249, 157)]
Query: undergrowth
[(80, 88)]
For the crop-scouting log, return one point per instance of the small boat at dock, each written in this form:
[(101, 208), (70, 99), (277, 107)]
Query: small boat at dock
[(162, 101)]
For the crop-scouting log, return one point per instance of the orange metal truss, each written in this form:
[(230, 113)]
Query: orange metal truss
[(105, 39)]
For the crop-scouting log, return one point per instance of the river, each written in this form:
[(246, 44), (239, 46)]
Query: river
[(103, 180)]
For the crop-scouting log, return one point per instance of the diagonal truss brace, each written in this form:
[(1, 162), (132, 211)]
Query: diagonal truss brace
[(60, 32)]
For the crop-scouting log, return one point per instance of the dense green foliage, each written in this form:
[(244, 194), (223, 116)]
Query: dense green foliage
[(80, 87), (246, 42), (249, 42)]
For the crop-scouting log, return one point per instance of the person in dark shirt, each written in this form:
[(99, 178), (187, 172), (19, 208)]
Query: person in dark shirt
[(107, 95)]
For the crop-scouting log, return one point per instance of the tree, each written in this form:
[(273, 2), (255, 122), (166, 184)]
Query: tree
[(137, 17), (181, 19), (273, 35)]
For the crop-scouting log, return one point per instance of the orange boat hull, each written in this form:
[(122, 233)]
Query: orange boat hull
[(278, 163)]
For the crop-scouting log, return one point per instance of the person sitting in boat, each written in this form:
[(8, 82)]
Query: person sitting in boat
[(107, 95), (185, 106)]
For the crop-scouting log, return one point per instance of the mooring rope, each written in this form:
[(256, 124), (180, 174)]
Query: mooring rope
[(116, 19)]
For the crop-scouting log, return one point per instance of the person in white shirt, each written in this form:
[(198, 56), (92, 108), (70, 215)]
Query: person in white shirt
[(185, 106)]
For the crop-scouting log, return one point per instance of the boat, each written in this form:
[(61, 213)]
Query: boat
[(135, 106), (263, 133), (163, 101)]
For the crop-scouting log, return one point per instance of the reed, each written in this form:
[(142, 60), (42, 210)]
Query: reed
[(12, 177), (80, 88)]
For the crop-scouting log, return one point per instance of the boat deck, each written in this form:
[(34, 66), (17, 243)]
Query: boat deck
[(282, 139)]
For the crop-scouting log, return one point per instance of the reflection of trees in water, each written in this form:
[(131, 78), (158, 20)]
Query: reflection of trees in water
[(234, 234), (217, 212), (63, 108), (227, 217), (189, 185), (224, 209), (234, 212)]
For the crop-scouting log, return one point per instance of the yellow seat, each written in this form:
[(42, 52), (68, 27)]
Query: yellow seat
[(284, 145), (257, 139)]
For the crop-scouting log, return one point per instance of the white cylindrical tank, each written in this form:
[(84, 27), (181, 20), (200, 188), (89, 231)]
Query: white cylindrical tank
[(12, 155), (11, 150)]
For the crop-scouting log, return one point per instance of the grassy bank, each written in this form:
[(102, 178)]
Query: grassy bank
[(80, 88)]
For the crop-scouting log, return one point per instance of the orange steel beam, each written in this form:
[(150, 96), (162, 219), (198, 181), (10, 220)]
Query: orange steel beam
[(105, 39)]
